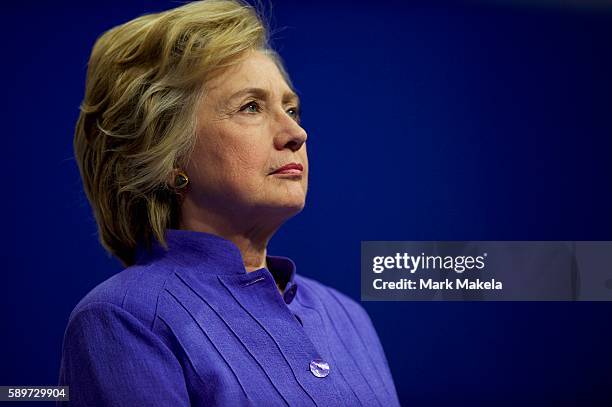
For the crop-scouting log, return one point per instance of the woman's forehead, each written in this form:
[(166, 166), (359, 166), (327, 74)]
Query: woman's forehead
[(255, 74)]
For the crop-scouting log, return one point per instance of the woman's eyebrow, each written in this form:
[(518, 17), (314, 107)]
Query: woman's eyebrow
[(264, 94)]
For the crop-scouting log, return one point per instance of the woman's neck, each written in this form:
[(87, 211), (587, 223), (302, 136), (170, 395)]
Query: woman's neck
[(252, 242)]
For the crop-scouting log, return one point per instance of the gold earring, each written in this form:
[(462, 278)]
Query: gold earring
[(181, 180)]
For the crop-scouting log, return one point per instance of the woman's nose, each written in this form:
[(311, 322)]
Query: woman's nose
[(289, 133)]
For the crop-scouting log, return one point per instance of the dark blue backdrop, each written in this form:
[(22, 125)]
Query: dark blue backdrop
[(426, 120)]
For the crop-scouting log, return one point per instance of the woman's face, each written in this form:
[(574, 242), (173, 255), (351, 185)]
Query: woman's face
[(248, 127)]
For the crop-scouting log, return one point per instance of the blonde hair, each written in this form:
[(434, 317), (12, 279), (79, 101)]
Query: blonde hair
[(137, 120)]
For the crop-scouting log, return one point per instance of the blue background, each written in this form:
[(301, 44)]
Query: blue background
[(427, 121)]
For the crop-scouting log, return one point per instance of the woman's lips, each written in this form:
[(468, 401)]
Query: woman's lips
[(292, 169)]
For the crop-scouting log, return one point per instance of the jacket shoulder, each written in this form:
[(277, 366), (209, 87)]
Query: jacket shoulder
[(136, 290)]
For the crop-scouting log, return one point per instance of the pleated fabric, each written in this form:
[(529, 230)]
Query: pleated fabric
[(189, 326)]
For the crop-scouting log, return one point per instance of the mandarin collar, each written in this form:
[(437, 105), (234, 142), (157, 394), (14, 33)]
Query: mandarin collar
[(211, 254)]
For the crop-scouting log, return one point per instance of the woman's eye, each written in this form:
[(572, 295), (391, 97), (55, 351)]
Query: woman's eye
[(251, 107), (294, 112)]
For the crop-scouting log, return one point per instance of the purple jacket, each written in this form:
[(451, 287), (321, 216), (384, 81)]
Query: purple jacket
[(189, 326)]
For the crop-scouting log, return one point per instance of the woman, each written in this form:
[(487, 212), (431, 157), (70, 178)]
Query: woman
[(192, 156)]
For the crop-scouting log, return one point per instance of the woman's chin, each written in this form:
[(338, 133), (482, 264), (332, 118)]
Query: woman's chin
[(283, 209), (290, 206)]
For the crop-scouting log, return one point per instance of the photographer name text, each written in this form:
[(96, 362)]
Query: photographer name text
[(406, 263)]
